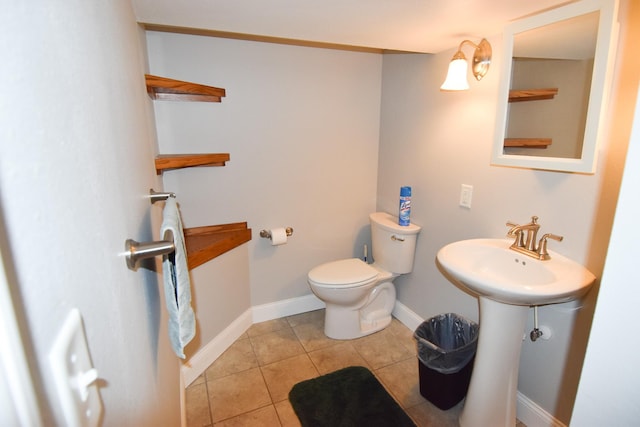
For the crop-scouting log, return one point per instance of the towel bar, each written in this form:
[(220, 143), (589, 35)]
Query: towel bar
[(137, 251), (157, 196)]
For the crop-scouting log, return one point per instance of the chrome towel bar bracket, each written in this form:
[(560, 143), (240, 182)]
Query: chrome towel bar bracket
[(157, 196), (137, 251)]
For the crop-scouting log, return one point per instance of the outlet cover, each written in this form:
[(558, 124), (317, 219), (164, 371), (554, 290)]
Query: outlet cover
[(466, 193)]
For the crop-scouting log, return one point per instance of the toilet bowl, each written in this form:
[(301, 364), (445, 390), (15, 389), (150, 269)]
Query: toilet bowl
[(360, 297)]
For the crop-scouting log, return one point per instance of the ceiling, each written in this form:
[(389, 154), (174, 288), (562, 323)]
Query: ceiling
[(427, 26)]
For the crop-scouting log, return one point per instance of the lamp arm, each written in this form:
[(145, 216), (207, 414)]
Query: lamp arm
[(475, 46)]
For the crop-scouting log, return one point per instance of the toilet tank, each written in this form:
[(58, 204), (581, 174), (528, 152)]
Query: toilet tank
[(393, 245)]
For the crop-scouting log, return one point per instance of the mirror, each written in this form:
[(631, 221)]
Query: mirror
[(555, 78)]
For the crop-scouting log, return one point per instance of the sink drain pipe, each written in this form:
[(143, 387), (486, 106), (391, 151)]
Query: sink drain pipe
[(536, 333)]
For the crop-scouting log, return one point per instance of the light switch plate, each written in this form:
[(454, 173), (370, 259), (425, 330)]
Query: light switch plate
[(74, 375)]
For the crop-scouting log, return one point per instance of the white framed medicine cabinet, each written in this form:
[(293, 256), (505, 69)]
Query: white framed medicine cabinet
[(555, 80)]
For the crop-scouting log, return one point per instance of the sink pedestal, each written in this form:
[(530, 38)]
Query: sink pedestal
[(491, 399), (491, 269)]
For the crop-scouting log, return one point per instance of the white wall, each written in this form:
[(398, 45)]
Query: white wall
[(301, 126), (435, 141), (607, 394), (76, 160), (608, 387)]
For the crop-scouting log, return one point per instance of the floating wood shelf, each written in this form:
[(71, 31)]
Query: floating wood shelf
[(178, 161), (527, 142), (532, 94), (202, 243), (205, 243), (177, 90)]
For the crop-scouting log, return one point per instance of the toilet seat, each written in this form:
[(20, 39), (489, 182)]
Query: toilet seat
[(343, 274)]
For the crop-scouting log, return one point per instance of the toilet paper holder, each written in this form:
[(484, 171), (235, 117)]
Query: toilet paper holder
[(267, 233)]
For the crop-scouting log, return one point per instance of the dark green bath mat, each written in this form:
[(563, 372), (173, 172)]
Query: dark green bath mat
[(350, 397)]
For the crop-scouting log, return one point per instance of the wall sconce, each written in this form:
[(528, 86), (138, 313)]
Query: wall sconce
[(457, 75)]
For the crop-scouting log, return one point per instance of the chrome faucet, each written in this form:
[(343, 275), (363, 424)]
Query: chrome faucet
[(525, 239)]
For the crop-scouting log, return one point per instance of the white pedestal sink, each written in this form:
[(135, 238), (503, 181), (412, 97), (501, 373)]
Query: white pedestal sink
[(507, 284)]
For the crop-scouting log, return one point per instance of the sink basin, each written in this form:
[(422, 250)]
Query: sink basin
[(489, 268)]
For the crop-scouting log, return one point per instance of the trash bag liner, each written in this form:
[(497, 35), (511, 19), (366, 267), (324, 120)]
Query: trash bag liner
[(446, 343)]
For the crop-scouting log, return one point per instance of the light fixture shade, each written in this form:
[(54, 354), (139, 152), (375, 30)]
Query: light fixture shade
[(457, 75)]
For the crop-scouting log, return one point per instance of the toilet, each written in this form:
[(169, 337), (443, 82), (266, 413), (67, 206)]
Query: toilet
[(360, 297)]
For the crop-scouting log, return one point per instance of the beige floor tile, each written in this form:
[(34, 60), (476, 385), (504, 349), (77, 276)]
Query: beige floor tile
[(403, 381), (404, 334), (197, 405), (271, 357), (312, 337), (200, 380), (237, 358), (281, 376), (287, 415), (262, 417), (316, 316), (381, 349), (268, 326), (341, 355), (237, 393), (428, 415), (274, 346)]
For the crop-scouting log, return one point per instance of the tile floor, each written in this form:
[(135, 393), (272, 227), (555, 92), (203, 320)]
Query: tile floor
[(249, 384)]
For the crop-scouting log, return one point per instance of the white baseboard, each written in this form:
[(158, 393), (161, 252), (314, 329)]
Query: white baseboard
[(528, 411), (183, 402), (407, 317), (200, 361), (287, 307), (531, 414)]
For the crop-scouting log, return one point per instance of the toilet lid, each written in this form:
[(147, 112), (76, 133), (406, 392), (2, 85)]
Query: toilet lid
[(345, 272)]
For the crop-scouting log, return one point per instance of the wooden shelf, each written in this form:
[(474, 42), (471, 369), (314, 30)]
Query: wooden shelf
[(206, 243), (178, 161), (177, 90), (532, 94), (527, 142), (202, 243)]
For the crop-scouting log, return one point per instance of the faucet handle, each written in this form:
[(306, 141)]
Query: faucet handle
[(553, 236), (543, 254), (515, 231)]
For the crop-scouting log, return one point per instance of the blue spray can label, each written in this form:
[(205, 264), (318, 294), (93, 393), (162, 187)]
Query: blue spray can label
[(405, 206)]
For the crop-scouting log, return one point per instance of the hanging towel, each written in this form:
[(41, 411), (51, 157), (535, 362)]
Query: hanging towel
[(177, 285)]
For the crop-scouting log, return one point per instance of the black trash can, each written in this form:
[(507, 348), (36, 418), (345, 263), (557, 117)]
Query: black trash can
[(446, 350)]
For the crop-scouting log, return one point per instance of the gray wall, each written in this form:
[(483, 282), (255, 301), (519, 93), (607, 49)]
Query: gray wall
[(301, 126), (436, 141), (562, 118)]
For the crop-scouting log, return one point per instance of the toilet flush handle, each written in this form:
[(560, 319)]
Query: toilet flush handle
[(396, 238)]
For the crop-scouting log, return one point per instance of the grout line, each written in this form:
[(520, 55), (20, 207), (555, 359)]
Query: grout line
[(206, 387), (288, 325)]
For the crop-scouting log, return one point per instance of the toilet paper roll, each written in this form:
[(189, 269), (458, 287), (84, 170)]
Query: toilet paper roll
[(278, 236)]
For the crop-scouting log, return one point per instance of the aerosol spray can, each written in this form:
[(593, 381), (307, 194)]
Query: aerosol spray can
[(405, 206)]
